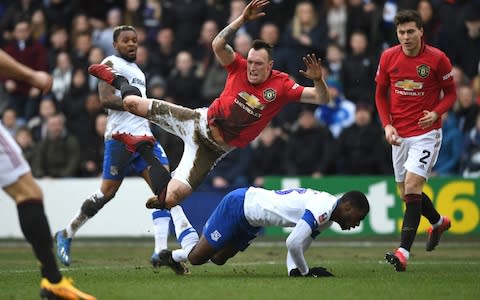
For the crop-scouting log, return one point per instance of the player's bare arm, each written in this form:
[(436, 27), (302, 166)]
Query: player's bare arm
[(108, 97), (11, 68), (223, 51), (319, 93)]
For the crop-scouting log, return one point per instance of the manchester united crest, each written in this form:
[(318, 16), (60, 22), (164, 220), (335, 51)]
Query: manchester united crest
[(269, 94), (423, 71)]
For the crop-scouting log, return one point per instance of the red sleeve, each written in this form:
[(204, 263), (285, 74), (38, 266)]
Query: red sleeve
[(235, 64), (293, 90), (383, 105), (448, 86)]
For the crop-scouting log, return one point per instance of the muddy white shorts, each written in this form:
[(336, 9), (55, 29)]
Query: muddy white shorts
[(12, 163), (200, 152), (416, 154)]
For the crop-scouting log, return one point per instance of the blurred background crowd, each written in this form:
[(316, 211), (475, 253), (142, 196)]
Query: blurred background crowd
[(61, 133)]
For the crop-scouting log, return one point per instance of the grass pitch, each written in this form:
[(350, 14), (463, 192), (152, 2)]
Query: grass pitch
[(120, 269)]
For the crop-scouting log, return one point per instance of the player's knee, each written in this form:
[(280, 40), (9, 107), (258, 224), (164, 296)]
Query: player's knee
[(196, 259), (219, 261)]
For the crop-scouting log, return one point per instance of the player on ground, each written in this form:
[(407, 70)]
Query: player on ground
[(243, 212), (129, 146), (17, 181), (253, 95), (411, 78)]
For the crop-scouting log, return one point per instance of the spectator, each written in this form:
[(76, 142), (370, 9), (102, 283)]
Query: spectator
[(309, 148), (334, 62), (95, 56), (466, 109), (24, 139), (466, 52), (471, 152), (361, 147), (17, 10), (431, 26), (339, 113), (38, 124), (59, 42), (448, 161), (82, 44), (11, 122), (40, 27), (183, 84), (58, 12), (187, 18), (59, 154), (202, 51), (242, 43), (92, 155), (267, 152), (79, 122), (163, 51), (102, 37), (304, 35), (336, 15), (155, 15), (62, 76), (358, 71), (133, 12), (23, 96), (270, 33), (213, 83), (363, 16)]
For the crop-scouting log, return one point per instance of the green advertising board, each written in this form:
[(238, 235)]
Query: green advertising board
[(457, 198)]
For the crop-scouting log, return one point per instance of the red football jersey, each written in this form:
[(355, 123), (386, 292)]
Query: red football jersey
[(243, 110), (415, 85)]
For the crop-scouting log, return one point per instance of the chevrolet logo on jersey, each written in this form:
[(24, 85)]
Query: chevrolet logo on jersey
[(409, 85), (251, 100)]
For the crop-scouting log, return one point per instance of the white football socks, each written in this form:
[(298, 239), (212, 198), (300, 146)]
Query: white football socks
[(161, 226)]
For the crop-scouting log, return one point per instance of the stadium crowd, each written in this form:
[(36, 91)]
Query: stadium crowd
[(61, 133)]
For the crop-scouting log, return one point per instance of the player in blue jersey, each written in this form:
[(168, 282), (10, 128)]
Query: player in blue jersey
[(243, 212)]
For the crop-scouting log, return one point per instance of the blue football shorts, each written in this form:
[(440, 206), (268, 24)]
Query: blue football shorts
[(118, 162), (228, 225)]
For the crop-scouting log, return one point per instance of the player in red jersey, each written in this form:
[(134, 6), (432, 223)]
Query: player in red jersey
[(253, 95), (411, 79)]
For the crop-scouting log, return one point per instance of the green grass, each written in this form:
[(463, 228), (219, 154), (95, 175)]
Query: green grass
[(120, 270)]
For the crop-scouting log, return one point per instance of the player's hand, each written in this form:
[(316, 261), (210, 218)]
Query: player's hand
[(392, 136), (428, 119), (42, 81), (314, 67), (253, 10)]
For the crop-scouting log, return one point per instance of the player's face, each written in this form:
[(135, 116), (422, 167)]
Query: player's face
[(351, 218), (258, 66), (410, 37), (126, 45)]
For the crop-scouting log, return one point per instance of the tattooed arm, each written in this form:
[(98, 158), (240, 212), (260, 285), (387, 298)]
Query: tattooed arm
[(108, 97), (224, 52)]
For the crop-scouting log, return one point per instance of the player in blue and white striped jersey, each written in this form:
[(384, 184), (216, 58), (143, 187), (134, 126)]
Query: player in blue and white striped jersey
[(243, 212)]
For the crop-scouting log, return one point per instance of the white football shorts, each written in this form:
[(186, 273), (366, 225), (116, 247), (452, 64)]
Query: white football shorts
[(12, 163), (416, 154)]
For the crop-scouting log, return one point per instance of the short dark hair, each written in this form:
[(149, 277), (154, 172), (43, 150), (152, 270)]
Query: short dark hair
[(408, 15), (120, 29), (357, 199), (260, 44)]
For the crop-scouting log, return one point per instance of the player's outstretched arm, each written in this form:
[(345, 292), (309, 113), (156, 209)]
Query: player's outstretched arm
[(11, 68), (223, 51), (319, 93), (108, 97)]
